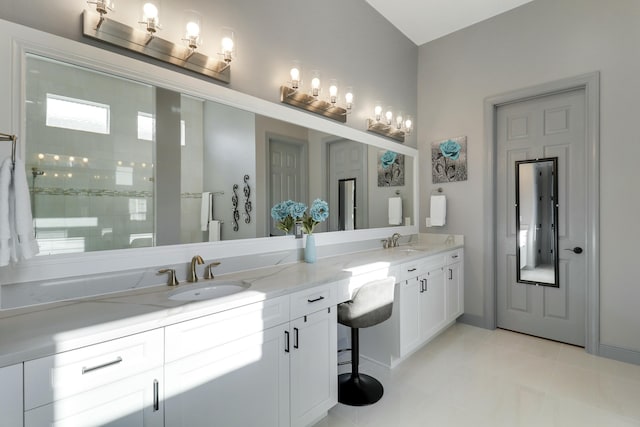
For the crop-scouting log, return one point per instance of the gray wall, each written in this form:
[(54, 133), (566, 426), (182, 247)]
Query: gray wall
[(543, 41), (344, 39)]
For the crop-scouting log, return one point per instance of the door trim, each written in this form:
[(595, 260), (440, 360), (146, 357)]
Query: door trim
[(590, 83)]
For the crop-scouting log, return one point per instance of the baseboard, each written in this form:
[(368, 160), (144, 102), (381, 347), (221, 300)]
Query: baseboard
[(473, 320), (621, 354)]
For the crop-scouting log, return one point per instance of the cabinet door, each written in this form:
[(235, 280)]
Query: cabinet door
[(241, 383), (11, 406), (432, 304), (314, 366), (132, 402), (410, 314), (455, 294)]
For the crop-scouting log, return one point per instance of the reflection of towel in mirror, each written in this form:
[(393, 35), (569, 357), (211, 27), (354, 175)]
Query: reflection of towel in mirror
[(395, 210), (17, 240), (206, 210), (438, 210)]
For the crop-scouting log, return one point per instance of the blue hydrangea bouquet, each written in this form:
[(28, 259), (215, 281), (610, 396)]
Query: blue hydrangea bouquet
[(287, 213)]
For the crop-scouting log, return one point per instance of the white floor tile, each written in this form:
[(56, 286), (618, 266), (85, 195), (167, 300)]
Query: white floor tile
[(470, 376)]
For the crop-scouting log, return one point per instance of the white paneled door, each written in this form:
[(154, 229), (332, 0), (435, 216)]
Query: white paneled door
[(287, 170), (544, 127)]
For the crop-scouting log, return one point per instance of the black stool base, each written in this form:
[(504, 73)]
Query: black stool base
[(358, 390)]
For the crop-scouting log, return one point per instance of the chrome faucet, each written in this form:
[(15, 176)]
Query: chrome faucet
[(193, 276), (394, 239)]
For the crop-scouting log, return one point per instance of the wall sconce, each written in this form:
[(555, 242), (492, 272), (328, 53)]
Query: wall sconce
[(146, 42), (312, 102), (387, 126)]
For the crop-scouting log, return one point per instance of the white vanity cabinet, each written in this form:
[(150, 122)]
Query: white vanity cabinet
[(429, 296), (11, 409), (115, 383), (229, 368), (254, 366), (313, 355), (454, 276), (422, 303)]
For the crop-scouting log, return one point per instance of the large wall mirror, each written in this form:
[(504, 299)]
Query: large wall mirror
[(116, 163), (536, 222)]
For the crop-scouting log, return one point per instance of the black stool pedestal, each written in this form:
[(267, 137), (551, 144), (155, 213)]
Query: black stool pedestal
[(361, 390)]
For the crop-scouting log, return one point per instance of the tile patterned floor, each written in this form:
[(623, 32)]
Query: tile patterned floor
[(475, 377)]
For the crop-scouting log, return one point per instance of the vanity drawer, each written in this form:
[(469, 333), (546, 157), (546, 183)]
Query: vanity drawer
[(204, 333), (411, 269), (313, 299), (65, 374)]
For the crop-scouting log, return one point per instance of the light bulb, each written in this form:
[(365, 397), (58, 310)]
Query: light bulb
[(408, 125), (315, 85), (41, 156), (333, 91), (72, 159), (150, 11), (399, 121), (228, 45), (348, 98), (193, 29), (389, 116), (378, 112), (150, 17), (295, 77)]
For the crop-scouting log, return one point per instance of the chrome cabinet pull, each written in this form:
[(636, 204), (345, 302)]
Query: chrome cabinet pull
[(156, 396), (86, 370), (320, 298)]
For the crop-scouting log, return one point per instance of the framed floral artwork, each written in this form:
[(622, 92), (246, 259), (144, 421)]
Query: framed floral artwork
[(390, 169), (449, 160)]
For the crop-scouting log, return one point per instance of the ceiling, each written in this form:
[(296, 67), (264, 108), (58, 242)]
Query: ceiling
[(426, 20)]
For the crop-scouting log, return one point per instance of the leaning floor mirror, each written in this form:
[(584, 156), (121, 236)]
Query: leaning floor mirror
[(536, 221)]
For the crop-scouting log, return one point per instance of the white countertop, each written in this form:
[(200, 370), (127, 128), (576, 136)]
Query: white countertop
[(37, 331)]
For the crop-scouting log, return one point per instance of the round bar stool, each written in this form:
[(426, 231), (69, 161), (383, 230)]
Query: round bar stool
[(371, 304)]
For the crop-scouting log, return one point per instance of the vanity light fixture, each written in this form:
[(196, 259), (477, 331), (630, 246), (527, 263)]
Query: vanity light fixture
[(394, 128), (146, 42), (312, 101)]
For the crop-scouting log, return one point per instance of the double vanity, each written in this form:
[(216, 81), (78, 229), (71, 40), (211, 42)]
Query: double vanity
[(265, 355)]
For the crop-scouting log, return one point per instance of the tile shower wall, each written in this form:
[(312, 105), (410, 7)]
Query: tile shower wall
[(93, 191)]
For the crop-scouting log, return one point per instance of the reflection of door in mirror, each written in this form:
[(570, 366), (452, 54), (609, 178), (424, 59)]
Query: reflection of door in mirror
[(347, 160), (89, 148), (287, 172), (347, 204), (535, 218)]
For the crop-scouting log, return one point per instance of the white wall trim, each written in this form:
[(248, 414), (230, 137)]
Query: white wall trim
[(26, 40), (591, 84)]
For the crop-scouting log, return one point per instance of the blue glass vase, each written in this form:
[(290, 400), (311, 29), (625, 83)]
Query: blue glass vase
[(310, 249)]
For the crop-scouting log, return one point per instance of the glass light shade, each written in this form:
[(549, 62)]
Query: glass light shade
[(408, 124), (333, 91), (348, 98), (378, 112), (228, 44), (294, 73), (192, 28), (399, 120), (389, 116), (150, 11), (315, 83)]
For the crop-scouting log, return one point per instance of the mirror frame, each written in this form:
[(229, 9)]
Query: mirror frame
[(554, 223), (18, 41)]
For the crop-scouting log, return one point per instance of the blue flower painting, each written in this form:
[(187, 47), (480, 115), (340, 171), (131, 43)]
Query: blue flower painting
[(449, 160), (390, 169)]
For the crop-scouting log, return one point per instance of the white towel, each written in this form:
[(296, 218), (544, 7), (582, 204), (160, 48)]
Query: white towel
[(5, 228), (17, 239), (206, 209), (214, 230), (438, 210), (395, 210)]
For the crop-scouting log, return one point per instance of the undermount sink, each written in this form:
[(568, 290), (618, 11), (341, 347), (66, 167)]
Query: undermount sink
[(409, 250), (208, 291)]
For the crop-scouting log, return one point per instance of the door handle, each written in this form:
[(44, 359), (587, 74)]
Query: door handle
[(576, 250)]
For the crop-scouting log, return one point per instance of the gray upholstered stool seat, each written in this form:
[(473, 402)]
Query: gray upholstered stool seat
[(370, 305)]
